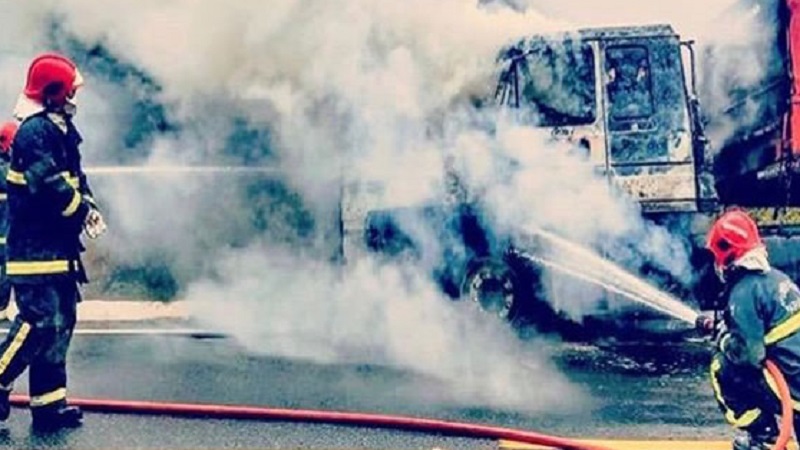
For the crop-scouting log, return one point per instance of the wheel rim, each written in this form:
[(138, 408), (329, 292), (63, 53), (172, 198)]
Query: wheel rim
[(492, 291)]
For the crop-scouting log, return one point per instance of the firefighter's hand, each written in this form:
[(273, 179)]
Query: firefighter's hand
[(94, 226)]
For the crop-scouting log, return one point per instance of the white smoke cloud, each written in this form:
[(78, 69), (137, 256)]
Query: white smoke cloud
[(739, 54), (553, 188), (685, 15), (377, 314)]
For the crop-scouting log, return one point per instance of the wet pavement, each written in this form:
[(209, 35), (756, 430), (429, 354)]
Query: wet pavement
[(656, 391)]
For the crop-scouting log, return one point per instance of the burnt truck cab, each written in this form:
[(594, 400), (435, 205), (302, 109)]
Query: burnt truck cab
[(622, 95), (623, 98)]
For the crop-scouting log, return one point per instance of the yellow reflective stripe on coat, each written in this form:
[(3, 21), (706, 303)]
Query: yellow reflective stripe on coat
[(783, 330), (48, 398), (3, 197), (746, 418), (15, 177), (3, 240), (13, 348), (36, 267), (73, 205)]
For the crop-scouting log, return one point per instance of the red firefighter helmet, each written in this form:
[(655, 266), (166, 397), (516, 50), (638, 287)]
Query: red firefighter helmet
[(732, 236), (7, 133), (52, 77)]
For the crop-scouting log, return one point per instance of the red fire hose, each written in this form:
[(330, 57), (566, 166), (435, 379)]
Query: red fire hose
[(787, 409), (315, 416), (381, 421), (461, 429)]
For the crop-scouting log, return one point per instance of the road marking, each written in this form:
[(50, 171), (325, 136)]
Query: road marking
[(637, 445), (186, 332), (124, 310), (170, 170)]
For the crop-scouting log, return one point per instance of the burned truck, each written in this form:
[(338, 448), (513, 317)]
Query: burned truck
[(623, 97)]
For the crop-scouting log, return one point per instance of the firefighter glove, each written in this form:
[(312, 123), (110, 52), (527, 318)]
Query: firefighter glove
[(94, 226)]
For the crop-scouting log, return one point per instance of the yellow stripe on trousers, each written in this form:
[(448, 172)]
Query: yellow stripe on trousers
[(48, 398), (773, 385), (747, 418), (14, 347)]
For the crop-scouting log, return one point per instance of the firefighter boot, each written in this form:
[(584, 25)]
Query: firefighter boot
[(761, 435), (55, 418)]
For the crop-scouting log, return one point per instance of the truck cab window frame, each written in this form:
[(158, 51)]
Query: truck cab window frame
[(555, 84), (629, 83)]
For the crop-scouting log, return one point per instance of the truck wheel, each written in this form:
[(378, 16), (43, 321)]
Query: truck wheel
[(492, 286)]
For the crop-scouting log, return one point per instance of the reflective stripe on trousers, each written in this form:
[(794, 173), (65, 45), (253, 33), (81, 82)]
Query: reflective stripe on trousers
[(49, 398), (741, 421), (12, 349)]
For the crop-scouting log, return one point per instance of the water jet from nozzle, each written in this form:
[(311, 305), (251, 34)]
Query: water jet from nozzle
[(580, 262)]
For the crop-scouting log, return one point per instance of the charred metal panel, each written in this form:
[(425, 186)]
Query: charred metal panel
[(657, 183)]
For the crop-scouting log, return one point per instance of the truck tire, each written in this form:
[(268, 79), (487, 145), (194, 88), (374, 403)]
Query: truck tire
[(493, 286)]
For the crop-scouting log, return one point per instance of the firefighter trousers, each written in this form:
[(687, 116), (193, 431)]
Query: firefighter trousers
[(39, 339), (747, 397)]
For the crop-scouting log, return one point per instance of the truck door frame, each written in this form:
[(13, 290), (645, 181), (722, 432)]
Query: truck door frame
[(594, 133)]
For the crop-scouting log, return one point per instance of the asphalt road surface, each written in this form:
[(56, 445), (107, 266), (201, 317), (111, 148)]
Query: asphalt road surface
[(636, 392)]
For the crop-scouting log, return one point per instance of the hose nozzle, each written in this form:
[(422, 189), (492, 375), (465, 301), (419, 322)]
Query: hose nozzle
[(704, 324)]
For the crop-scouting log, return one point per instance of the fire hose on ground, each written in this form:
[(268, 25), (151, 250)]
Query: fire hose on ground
[(394, 422), (257, 413), (403, 423)]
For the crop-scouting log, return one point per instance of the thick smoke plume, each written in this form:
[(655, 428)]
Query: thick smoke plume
[(367, 95)]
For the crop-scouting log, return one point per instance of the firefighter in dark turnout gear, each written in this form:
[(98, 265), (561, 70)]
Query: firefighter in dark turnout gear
[(761, 321), (50, 204), (7, 133)]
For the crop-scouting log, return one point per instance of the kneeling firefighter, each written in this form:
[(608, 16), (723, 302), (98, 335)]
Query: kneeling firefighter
[(761, 320), (49, 205)]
